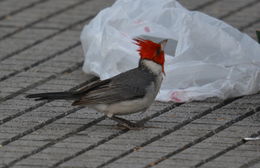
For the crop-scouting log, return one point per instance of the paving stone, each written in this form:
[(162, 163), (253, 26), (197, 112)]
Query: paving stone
[(5, 30), (195, 3), (6, 7), (245, 16), (87, 9), (224, 7), (33, 77), (37, 12), (251, 31)]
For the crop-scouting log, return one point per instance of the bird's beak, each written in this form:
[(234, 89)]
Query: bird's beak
[(163, 44)]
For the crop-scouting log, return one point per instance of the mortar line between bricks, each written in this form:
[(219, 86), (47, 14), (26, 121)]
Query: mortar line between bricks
[(38, 27), (10, 117), (68, 70), (251, 163), (43, 19), (220, 153), (70, 26), (206, 4), (169, 131), (32, 165), (46, 38), (4, 120), (39, 126), (249, 24), (40, 61), (53, 142), (239, 9), (77, 65), (233, 12), (14, 12), (202, 138), (82, 128)]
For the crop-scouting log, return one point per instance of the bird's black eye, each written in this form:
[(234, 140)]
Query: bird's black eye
[(158, 51)]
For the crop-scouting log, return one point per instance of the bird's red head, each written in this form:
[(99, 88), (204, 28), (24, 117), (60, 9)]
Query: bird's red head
[(151, 50)]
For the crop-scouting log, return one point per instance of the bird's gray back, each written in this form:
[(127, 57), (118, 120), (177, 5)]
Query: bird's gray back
[(129, 85)]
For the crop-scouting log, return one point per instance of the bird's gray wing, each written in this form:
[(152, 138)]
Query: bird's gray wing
[(125, 86)]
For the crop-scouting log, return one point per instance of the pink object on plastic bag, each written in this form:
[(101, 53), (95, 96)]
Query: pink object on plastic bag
[(147, 29), (205, 57)]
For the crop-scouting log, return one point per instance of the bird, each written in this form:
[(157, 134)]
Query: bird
[(129, 92)]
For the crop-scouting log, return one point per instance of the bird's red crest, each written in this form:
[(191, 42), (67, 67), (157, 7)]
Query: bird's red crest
[(151, 51)]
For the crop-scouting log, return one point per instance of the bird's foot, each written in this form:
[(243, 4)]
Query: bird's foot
[(132, 126), (123, 123)]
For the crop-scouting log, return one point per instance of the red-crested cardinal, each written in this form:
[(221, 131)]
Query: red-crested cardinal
[(128, 92)]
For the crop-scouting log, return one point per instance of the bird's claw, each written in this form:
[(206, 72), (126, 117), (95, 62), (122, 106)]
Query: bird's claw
[(132, 126)]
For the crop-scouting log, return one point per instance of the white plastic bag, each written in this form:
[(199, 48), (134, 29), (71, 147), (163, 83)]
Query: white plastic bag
[(211, 57)]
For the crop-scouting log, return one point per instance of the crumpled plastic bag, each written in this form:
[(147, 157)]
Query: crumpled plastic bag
[(205, 57)]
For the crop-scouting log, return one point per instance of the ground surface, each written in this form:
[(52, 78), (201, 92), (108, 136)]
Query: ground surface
[(40, 51)]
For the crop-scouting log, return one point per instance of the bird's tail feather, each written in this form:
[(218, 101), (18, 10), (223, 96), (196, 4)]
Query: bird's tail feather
[(53, 96)]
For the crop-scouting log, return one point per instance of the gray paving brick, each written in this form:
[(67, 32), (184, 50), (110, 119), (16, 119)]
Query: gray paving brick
[(224, 7), (33, 35), (29, 75), (236, 157), (20, 43), (22, 39), (256, 165), (39, 11), (29, 120), (11, 5), (87, 9), (245, 16), (204, 150), (251, 31), (5, 30), (13, 106), (194, 4)]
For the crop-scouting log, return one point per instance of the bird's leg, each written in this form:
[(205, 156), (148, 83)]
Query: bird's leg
[(127, 124)]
